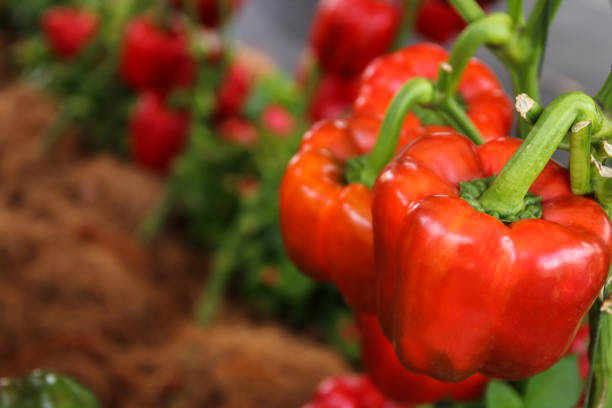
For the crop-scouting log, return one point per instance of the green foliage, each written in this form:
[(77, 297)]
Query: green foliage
[(558, 387), (502, 395), (43, 389)]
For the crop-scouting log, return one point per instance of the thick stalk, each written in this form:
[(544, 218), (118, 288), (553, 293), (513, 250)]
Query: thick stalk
[(495, 29), (580, 158), (409, 17), (599, 385), (459, 119), (416, 91), (516, 11), (506, 194), (470, 10), (604, 96)]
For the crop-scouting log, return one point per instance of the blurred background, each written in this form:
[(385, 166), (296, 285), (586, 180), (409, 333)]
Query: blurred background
[(140, 243)]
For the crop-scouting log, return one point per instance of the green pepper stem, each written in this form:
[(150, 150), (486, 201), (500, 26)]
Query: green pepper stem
[(416, 91), (516, 11), (457, 117), (506, 194), (495, 29), (470, 10), (604, 96), (409, 17), (580, 158), (528, 108)]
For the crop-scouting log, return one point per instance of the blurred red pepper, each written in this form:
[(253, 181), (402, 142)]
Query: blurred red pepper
[(580, 346), (396, 382), (233, 90), (68, 30), (155, 58), (325, 222), (239, 131), (333, 96), (348, 391), (157, 134), (212, 13), (459, 292), (347, 34), (486, 102), (278, 120), (438, 21)]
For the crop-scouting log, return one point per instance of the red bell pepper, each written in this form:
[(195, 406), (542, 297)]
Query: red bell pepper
[(155, 58), (460, 292), (68, 30), (401, 385), (347, 34), (348, 391), (278, 120), (238, 130), (326, 222), (439, 21), (332, 97), (234, 90), (156, 133), (580, 346), (487, 105)]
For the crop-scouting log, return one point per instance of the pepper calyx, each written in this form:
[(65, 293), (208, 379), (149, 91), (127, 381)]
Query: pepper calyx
[(471, 191)]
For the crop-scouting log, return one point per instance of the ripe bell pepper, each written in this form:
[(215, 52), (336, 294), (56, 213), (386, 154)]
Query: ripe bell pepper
[(438, 20), (325, 221), (401, 385), (68, 30), (460, 292), (155, 58), (486, 103), (157, 134), (347, 34)]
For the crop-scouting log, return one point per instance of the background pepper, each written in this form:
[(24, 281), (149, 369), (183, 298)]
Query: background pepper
[(481, 296), (155, 58), (347, 34), (67, 30)]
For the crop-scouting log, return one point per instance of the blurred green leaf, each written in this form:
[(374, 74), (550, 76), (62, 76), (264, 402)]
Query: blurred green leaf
[(502, 395), (558, 387)]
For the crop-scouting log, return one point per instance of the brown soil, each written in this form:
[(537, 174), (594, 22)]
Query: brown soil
[(80, 295)]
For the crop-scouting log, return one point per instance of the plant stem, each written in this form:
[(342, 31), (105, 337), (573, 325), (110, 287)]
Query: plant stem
[(470, 10), (416, 91), (580, 158), (451, 108), (527, 108), (506, 194), (409, 17), (604, 96), (495, 29), (516, 11)]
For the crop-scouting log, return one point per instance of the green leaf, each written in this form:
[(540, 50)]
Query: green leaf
[(558, 387), (502, 395)]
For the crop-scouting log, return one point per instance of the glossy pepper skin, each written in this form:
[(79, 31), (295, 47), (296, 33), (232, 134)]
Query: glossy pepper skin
[(460, 292), (487, 105), (157, 134), (347, 34), (155, 58), (401, 385), (326, 224), (349, 391), (68, 30)]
